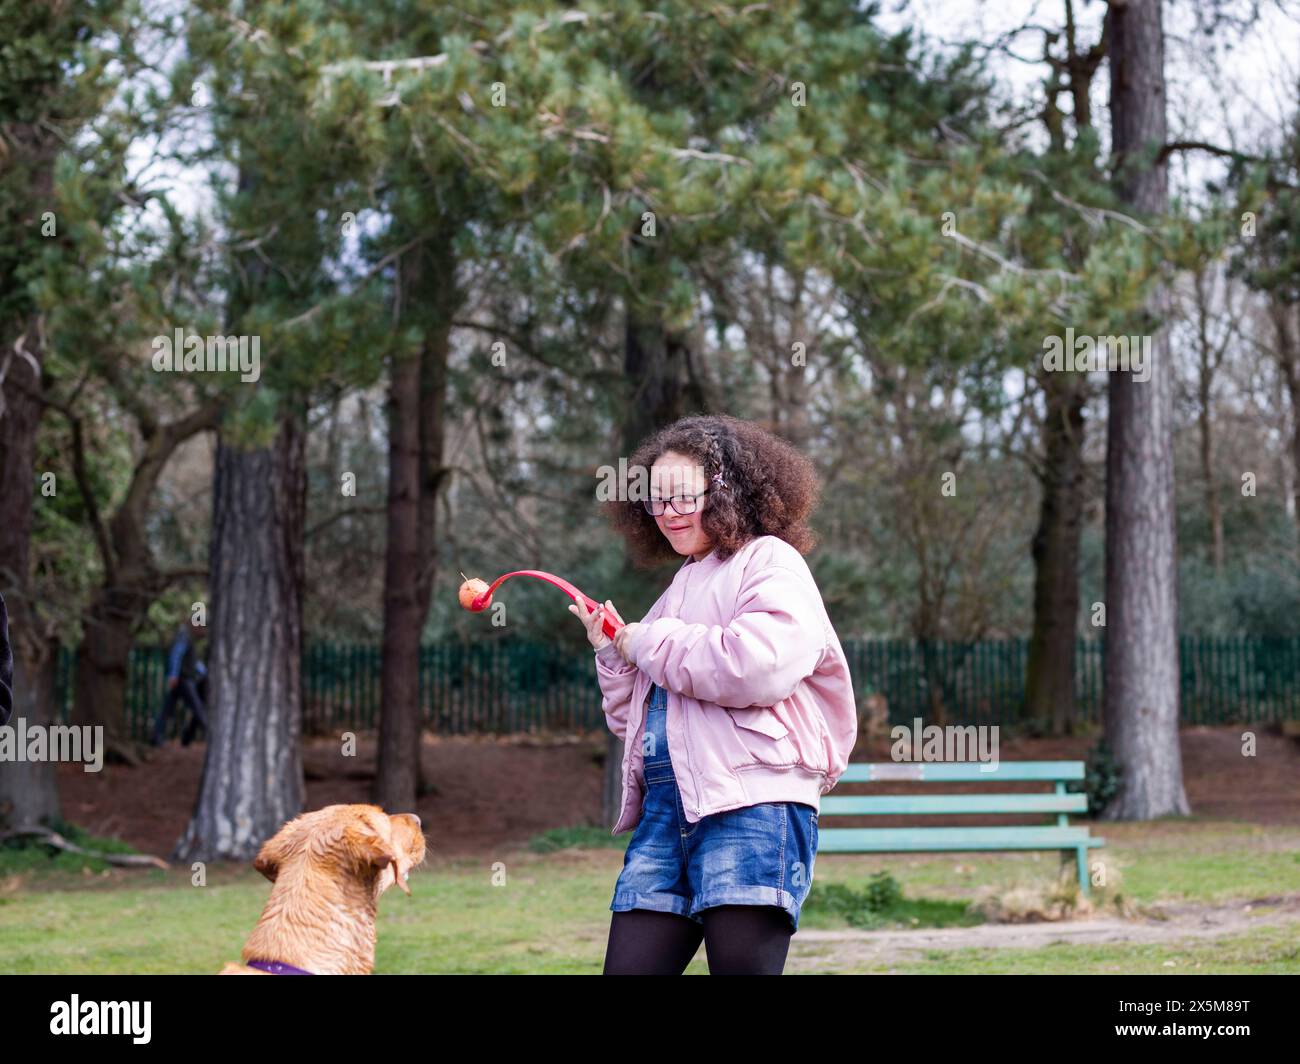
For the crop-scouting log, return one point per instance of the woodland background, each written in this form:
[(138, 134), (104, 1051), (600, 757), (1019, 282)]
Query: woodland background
[(488, 247)]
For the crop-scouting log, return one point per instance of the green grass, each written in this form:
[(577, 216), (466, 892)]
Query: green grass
[(547, 911), (585, 837), (879, 905)]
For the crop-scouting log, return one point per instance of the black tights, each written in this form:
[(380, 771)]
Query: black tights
[(739, 940)]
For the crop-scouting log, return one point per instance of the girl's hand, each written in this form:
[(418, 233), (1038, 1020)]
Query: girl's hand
[(624, 637), (594, 621)]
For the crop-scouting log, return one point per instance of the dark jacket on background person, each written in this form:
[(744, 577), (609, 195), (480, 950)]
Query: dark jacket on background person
[(187, 683), (182, 662)]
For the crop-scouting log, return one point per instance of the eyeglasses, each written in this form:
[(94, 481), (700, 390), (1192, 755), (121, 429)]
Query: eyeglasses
[(681, 504)]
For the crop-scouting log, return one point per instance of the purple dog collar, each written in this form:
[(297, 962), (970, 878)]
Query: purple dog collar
[(277, 968)]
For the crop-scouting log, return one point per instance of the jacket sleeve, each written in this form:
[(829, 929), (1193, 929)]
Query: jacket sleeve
[(175, 656), (776, 640), (616, 678)]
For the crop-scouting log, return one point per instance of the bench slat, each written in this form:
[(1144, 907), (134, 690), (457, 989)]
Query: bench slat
[(961, 772), (917, 804), (907, 840)]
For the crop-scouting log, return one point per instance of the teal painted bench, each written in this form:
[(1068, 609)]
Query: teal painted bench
[(1059, 836)]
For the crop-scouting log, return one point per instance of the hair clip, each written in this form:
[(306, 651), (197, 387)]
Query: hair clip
[(717, 479)]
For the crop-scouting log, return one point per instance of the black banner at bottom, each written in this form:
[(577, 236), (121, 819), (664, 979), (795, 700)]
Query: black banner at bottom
[(384, 1014)]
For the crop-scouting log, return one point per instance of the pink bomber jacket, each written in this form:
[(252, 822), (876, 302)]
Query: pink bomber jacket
[(760, 701)]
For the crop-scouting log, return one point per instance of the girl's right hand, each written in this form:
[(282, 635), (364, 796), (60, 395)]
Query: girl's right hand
[(594, 621)]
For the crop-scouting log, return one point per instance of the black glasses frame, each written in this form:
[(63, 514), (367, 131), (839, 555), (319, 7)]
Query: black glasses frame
[(663, 504)]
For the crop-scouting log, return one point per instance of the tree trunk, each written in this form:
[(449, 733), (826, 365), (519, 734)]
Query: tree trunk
[(1212, 508), (28, 790), (790, 376), (404, 603), (656, 363), (252, 773), (1287, 353), (1049, 672), (29, 795), (1141, 671), (417, 403), (103, 658), (1209, 365)]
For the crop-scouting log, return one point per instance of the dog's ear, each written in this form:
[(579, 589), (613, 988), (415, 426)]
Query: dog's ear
[(269, 857), (370, 842), (278, 848), (266, 863)]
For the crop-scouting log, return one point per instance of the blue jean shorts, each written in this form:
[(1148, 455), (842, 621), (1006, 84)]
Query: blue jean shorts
[(758, 855)]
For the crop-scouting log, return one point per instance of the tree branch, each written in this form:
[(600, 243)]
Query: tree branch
[(350, 511), (170, 576), (53, 838), (1200, 145), (82, 476)]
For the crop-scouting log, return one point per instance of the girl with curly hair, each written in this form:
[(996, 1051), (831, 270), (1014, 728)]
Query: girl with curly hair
[(732, 696)]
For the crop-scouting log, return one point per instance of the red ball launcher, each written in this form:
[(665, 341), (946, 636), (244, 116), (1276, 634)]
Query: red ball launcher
[(476, 596)]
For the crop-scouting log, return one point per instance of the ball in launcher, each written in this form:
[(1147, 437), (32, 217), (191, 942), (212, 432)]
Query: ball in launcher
[(470, 592)]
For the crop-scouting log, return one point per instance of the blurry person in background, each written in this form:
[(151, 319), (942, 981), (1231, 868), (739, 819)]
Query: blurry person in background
[(187, 681)]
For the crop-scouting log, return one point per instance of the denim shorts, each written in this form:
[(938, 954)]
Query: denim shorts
[(758, 855)]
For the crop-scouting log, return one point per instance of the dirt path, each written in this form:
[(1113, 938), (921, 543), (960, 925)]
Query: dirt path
[(816, 950)]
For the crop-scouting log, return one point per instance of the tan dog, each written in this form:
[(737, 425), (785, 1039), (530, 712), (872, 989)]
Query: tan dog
[(329, 869)]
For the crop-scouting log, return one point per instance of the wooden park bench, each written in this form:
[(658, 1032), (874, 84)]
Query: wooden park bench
[(1059, 836)]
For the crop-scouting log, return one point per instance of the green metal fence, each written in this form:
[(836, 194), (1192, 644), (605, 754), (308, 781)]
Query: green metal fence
[(508, 686), (1222, 679)]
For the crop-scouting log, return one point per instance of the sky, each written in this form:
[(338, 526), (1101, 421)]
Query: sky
[(1233, 87)]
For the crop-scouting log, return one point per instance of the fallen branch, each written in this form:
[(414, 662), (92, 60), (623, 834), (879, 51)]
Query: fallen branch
[(53, 838)]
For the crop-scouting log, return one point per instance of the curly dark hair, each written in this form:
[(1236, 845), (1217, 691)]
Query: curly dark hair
[(771, 488)]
